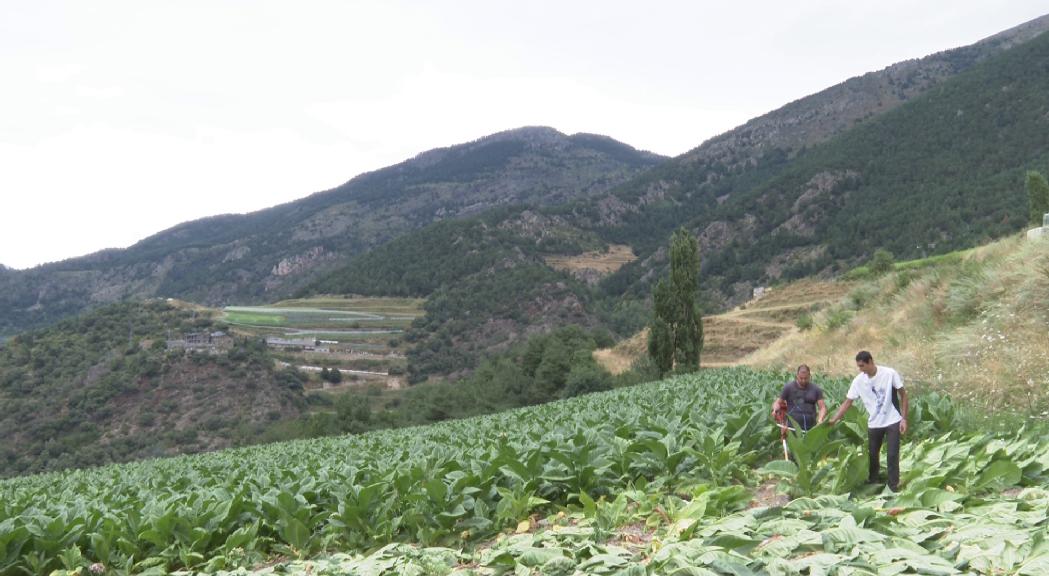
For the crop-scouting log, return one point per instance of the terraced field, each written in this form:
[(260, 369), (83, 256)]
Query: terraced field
[(357, 336), (675, 477), (328, 315)]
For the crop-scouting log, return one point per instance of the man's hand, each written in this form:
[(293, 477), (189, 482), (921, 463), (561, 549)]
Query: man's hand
[(841, 412), (903, 427)]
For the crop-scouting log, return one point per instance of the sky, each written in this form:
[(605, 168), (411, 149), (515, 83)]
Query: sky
[(119, 119)]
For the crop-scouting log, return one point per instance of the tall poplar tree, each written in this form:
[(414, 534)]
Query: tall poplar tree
[(675, 337)]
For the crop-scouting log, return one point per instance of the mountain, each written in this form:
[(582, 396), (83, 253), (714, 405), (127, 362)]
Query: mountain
[(810, 188), (265, 255), (742, 158), (924, 156), (107, 386), (940, 171)]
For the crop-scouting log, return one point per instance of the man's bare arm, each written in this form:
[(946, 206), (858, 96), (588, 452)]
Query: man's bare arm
[(904, 408), (823, 411), (841, 411)]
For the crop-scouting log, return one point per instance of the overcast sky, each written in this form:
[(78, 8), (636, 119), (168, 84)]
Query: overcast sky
[(121, 119)]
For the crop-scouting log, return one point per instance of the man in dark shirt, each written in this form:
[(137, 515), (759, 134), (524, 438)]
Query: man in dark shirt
[(804, 400)]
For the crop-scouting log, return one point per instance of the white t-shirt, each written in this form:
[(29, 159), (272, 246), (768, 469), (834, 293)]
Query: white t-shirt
[(876, 394)]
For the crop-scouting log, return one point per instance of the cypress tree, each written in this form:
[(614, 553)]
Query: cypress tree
[(660, 333), (676, 333)]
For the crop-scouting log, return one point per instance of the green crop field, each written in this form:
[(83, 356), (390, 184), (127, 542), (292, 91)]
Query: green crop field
[(328, 313), (661, 478), (254, 318)]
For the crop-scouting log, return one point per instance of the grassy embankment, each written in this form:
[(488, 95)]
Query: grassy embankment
[(974, 324)]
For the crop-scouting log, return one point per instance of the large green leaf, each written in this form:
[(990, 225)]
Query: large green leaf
[(998, 473)]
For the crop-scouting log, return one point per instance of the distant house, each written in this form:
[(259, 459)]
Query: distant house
[(212, 342)]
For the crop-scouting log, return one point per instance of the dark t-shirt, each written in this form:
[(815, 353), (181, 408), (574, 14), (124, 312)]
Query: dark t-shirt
[(801, 402)]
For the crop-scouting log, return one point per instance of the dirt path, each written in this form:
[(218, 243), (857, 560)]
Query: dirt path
[(739, 318)]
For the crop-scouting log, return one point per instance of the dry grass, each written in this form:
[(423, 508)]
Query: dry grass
[(621, 357), (978, 329)]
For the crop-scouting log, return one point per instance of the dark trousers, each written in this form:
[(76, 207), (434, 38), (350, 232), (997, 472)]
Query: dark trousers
[(875, 437)]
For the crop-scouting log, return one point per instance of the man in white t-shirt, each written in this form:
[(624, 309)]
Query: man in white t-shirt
[(874, 386)]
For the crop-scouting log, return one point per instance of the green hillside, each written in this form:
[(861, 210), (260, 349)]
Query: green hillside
[(106, 387), (419, 263), (486, 281), (678, 477)]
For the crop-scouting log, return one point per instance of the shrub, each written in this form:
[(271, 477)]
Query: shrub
[(882, 262), (838, 318)]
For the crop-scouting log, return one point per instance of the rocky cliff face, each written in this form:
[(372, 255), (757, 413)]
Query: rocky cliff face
[(745, 186)]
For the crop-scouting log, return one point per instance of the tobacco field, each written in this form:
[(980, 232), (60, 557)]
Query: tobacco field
[(684, 476)]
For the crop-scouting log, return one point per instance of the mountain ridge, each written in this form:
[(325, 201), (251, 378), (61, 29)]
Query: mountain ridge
[(268, 254)]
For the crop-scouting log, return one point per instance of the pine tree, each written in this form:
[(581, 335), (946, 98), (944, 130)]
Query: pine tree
[(1037, 196), (676, 334)]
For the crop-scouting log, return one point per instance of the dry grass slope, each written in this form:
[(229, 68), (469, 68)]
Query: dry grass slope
[(730, 337), (977, 329)]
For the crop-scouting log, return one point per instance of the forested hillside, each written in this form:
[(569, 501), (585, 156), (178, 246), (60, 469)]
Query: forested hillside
[(105, 387), (940, 172), (748, 156)]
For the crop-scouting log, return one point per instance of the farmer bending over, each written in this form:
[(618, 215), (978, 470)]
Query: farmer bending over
[(800, 398), (874, 385)]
